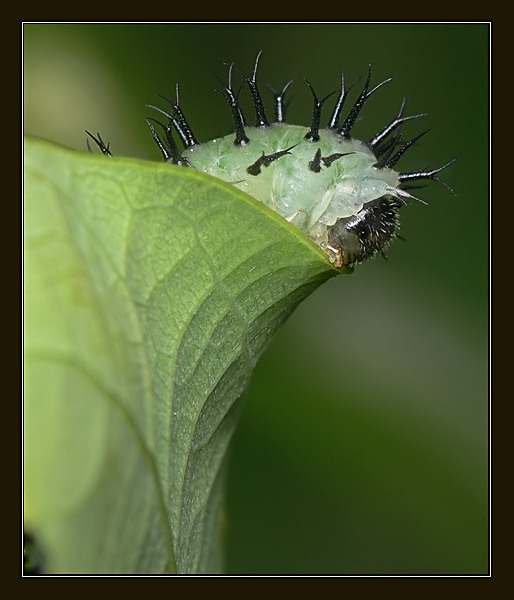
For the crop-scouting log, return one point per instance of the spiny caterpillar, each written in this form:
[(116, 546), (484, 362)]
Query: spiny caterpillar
[(343, 193)]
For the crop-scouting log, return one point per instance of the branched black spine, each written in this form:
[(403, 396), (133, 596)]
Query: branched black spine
[(180, 123), (334, 119), (374, 143), (171, 153), (426, 174), (346, 128), (99, 142), (260, 113), (388, 162), (313, 134), (241, 138), (280, 104)]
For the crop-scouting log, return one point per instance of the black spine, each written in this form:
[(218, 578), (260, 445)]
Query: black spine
[(171, 153), (99, 142), (180, 123), (280, 104), (346, 128), (391, 161), (424, 174), (260, 113), (334, 119), (313, 134), (394, 124), (241, 138)]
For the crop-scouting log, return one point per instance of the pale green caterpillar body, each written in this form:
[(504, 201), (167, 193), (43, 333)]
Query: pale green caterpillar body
[(341, 192), (314, 197)]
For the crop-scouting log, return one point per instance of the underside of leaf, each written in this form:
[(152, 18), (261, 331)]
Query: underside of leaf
[(150, 292)]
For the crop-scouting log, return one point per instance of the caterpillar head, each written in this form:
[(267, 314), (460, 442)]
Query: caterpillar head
[(343, 193)]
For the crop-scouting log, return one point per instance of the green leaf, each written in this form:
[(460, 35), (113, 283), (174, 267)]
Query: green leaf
[(150, 292)]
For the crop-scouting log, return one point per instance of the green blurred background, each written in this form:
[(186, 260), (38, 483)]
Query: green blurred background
[(363, 446)]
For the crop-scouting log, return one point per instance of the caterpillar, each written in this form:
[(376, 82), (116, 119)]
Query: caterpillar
[(341, 192)]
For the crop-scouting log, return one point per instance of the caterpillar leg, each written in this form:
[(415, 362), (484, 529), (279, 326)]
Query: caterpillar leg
[(335, 254)]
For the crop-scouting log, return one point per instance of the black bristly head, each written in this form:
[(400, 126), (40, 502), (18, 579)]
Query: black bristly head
[(368, 233)]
